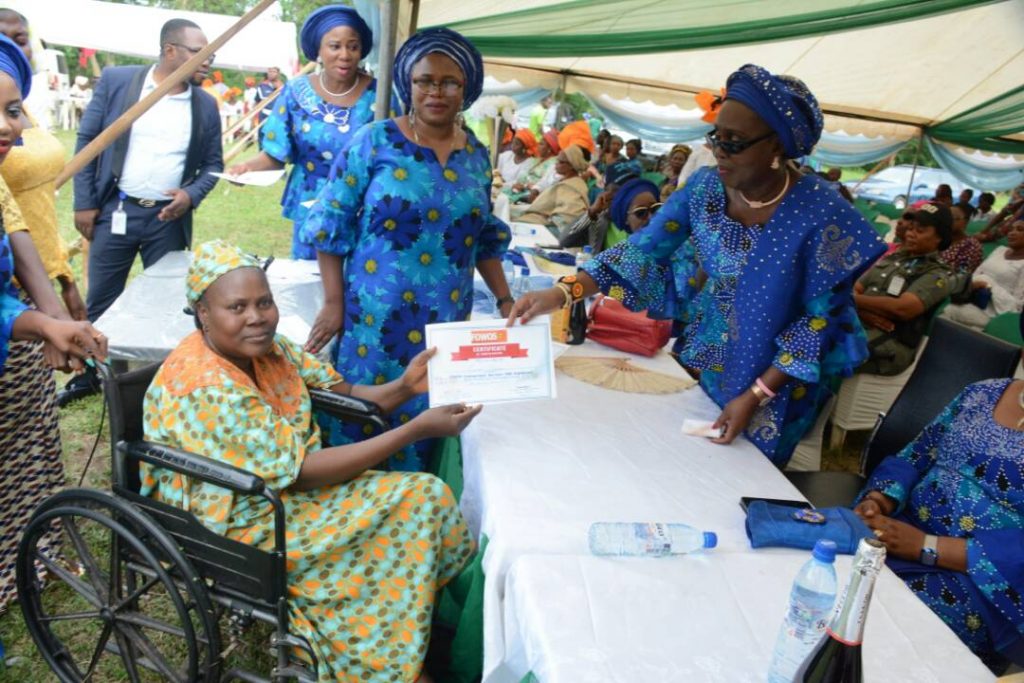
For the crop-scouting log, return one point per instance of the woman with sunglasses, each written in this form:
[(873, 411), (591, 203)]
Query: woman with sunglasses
[(401, 224), (774, 323)]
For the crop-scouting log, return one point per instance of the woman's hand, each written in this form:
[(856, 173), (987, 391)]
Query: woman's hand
[(444, 420), (506, 309), (532, 304), (414, 379), (900, 539), (237, 169), (75, 338), (877, 321), (72, 299), (736, 416), (979, 284), (326, 327), (873, 504)]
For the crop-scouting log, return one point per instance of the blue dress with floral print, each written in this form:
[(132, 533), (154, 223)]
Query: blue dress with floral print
[(10, 305), (411, 232), (778, 294), (308, 132), (963, 476)]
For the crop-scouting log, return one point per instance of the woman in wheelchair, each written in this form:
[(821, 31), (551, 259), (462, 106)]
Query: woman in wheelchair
[(367, 550)]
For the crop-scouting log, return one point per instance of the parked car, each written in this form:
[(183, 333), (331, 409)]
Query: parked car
[(890, 185)]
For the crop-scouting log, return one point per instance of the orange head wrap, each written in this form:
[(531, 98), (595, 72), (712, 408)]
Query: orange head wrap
[(525, 136), (710, 103), (576, 133)]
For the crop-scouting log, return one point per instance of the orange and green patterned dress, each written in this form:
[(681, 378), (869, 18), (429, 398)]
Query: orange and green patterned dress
[(365, 558)]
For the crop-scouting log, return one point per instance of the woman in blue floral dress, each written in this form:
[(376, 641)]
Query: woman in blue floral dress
[(950, 510), (402, 224), (774, 325), (315, 116)]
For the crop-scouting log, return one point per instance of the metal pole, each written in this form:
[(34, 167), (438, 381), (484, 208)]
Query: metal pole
[(388, 26), (917, 153)]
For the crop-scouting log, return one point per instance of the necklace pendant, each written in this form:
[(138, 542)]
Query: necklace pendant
[(344, 128), (756, 204), (328, 118)]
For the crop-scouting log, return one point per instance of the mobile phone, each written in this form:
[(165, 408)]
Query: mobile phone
[(745, 502)]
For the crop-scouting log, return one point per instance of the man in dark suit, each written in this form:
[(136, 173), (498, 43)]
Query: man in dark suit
[(139, 194)]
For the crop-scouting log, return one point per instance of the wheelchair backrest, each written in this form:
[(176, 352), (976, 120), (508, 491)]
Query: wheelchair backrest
[(124, 396)]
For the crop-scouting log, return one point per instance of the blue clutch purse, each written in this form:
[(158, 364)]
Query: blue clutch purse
[(782, 526)]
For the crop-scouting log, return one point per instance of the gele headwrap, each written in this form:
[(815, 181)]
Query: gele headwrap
[(630, 190), (14, 63), (320, 22), (211, 260), (441, 41), (783, 102)]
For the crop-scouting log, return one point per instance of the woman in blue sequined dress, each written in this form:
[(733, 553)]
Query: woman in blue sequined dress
[(315, 116), (402, 225), (773, 327)]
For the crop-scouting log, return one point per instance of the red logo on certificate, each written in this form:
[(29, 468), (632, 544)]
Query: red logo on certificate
[(489, 344)]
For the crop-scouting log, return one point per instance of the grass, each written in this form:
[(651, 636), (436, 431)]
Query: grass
[(247, 216)]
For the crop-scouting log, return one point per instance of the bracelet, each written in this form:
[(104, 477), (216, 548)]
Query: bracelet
[(566, 291), (507, 299), (572, 286), (764, 387), (762, 398)]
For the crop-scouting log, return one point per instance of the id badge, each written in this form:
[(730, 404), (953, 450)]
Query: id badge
[(119, 222), (896, 285)]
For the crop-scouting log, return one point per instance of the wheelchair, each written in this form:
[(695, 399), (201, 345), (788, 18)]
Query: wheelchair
[(143, 589)]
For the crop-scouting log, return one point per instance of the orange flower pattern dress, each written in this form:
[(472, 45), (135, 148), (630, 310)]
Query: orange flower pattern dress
[(365, 558)]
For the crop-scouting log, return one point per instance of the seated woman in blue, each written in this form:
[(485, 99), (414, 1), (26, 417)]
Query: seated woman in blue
[(316, 115), (774, 325), (950, 510)]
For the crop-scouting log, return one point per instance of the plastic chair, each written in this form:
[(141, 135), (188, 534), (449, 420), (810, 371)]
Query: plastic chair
[(1006, 326), (955, 357), (654, 177)]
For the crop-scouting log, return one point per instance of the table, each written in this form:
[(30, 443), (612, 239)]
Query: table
[(538, 474), (147, 321)]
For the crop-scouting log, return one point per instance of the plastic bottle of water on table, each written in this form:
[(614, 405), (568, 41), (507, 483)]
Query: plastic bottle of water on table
[(810, 605), (650, 539), (522, 283), (583, 256)]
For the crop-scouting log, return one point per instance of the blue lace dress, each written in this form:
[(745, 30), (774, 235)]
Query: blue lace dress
[(963, 476), (411, 232), (308, 132), (778, 294), (10, 305)]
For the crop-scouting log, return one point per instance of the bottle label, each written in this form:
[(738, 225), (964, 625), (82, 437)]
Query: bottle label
[(653, 537)]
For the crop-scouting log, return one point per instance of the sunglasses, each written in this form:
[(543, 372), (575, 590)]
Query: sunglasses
[(731, 147), (643, 212), (195, 51)]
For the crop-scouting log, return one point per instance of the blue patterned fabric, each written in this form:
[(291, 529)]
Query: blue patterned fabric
[(307, 132), (783, 102), (411, 232), (963, 476), (778, 294), (10, 305), (321, 21)]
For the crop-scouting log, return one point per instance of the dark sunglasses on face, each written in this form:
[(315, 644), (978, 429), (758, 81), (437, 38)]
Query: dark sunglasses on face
[(195, 51), (734, 146), (643, 212)]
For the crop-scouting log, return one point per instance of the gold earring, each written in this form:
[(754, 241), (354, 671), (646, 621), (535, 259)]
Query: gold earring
[(775, 164)]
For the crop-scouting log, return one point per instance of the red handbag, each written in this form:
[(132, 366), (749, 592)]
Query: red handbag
[(614, 325)]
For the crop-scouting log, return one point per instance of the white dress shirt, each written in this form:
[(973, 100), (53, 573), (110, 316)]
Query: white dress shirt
[(157, 145)]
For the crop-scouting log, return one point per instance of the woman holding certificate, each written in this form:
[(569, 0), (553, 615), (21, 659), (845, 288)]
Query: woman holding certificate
[(402, 223), (774, 323)]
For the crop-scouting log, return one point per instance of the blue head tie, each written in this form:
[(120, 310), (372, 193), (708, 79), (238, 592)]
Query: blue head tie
[(783, 102), (320, 22), (439, 41), (629, 191), (14, 63)]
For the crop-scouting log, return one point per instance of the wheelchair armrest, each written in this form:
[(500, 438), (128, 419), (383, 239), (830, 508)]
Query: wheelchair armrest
[(196, 466), (347, 408)]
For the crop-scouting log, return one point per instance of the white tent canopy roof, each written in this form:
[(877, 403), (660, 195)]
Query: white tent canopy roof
[(135, 30), (914, 72)]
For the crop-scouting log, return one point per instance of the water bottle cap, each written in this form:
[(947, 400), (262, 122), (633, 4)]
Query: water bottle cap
[(710, 539), (824, 551), (587, 249), (525, 271)]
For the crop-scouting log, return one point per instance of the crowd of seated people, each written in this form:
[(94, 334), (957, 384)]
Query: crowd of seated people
[(996, 286)]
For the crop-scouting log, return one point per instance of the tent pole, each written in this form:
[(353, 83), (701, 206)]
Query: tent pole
[(180, 75), (875, 169), (388, 25), (913, 171)]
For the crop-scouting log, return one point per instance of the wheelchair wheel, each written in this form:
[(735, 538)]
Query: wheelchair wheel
[(121, 599)]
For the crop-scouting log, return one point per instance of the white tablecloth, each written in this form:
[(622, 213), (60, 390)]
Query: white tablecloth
[(538, 474), (147, 321)]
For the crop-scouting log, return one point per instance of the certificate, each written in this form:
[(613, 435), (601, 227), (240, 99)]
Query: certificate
[(482, 361)]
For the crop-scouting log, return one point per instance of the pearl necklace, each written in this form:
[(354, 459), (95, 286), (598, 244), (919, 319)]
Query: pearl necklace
[(760, 205), (339, 94)]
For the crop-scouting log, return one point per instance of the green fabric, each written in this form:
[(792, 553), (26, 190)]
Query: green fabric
[(529, 678), (593, 28), (460, 606), (1006, 327), (983, 126), (613, 236), (654, 177)]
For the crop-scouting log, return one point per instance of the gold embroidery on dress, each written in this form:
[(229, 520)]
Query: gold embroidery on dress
[(832, 252)]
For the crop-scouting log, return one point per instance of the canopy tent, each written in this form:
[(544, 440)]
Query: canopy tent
[(134, 30), (880, 69)]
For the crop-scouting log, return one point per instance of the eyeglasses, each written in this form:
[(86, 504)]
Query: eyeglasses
[(448, 86), (643, 212), (196, 50), (731, 147)]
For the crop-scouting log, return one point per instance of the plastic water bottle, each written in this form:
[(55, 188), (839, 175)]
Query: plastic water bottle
[(521, 285), (650, 539), (810, 606), (510, 271), (584, 256)]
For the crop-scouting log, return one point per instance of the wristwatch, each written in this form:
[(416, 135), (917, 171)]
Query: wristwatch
[(929, 550), (504, 300)]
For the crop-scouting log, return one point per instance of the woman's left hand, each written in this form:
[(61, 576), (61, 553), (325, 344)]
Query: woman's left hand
[(414, 379), (506, 308), (736, 416), (900, 539)]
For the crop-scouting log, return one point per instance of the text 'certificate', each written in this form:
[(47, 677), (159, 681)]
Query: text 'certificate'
[(482, 361)]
